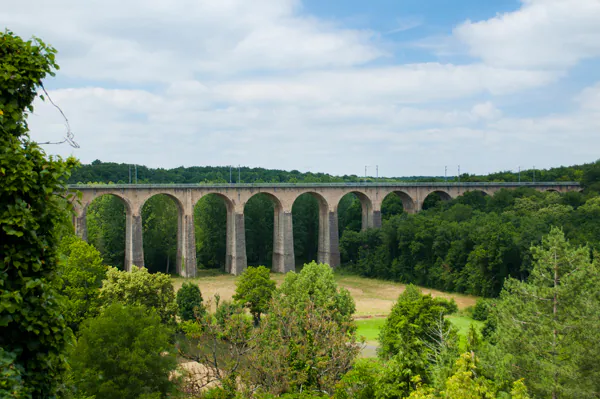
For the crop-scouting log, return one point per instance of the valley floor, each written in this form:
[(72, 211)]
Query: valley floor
[(374, 300)]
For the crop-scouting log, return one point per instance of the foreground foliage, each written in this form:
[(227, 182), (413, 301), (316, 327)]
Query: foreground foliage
[(303, 345), (301, 349), (33, 330), (138, 287), (549, 325), (123, 353), (81, 273)]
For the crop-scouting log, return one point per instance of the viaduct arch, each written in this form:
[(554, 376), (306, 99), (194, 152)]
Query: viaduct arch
[(371, 196)]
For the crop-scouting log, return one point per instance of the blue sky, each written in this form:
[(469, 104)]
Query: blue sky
[(329, 86)]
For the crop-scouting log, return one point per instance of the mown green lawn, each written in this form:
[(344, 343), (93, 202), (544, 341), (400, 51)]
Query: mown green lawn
[(369, 328), (462, 323)]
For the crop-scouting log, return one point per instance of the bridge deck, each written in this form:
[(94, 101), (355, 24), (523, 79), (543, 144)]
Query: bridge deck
[(303, 185)]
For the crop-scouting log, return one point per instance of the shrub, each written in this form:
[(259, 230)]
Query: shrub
[(226, 310), (481, 310), (407, 329), (81, 272), (316, 283), (189, 301)]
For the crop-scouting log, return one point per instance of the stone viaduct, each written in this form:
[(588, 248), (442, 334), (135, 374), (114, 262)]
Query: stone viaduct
[(235, 197)]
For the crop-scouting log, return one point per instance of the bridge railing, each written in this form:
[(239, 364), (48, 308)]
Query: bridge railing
[(300, 185)]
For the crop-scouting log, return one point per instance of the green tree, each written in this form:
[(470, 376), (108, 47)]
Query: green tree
[(407, 328), (138, 287), (316, 283), (189, 301), (300, 349), (32, 191), (467, 383), (361, 382), (124, 353), (81, 272), (254, 289), (548, 325), (349, 213)]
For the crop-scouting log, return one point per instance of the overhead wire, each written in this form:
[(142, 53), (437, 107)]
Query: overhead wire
[(70, 137)]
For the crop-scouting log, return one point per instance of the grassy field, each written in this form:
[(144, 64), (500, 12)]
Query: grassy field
[(369, 328), (374, 300), (462, 323), (373, 297)]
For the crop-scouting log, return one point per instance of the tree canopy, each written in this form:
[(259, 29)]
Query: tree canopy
[(32, 191), (138, 287), (254, 289), (123, 353)]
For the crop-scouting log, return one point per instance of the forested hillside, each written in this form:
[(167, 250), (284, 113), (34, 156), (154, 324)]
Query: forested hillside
[(473, 243)]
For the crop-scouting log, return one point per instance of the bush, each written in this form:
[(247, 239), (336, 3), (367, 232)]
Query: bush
[(217, 393), (361, 382), (189, 302), (481, 310), (407, 328), (226, 310), (301, 350)]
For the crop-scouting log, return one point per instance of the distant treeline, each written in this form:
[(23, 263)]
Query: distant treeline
[(109, 172)]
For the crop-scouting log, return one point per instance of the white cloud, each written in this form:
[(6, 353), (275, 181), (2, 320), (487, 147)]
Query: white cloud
[(486, 111), (176, 128), (414, 83), (590, 98), (191, 82), (150, 41), (550, 34)]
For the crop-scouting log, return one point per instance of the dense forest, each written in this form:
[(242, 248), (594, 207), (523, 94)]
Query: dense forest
[(470, 244)]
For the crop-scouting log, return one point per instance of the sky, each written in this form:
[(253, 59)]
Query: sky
[(405, 87)]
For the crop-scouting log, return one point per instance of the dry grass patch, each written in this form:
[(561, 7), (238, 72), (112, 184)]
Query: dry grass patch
[(373, 297)]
